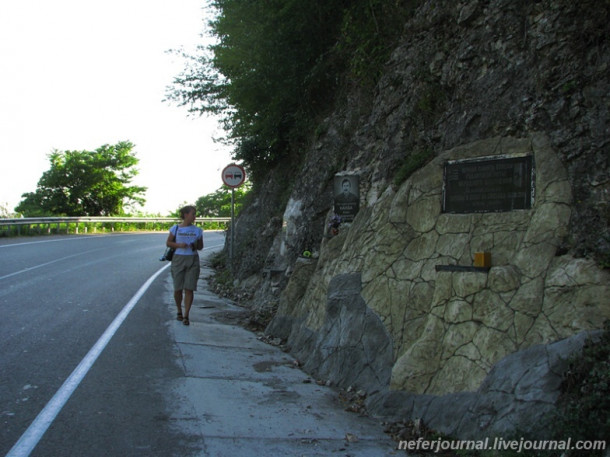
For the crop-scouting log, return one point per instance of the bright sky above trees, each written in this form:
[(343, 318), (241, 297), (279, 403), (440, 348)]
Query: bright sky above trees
[(76, 75)]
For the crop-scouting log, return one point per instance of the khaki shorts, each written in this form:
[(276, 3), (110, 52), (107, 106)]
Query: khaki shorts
[(185, 271)]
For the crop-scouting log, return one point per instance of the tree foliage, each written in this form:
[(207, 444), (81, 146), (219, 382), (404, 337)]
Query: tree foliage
[(277, 65), (218, 204), (5, 211), (86, 183)]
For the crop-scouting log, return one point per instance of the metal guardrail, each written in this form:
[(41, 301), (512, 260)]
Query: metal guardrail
[(50, 221), (73, 220)]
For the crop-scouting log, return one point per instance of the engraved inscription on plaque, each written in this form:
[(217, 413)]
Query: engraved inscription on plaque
[(488, 184)]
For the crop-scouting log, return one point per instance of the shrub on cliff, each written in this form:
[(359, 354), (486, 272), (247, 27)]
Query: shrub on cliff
[(584, 408)]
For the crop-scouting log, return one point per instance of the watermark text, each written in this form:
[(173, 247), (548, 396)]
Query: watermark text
[(499, 444)]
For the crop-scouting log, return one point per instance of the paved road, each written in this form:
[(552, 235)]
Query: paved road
[(153, 387), (58, 295)]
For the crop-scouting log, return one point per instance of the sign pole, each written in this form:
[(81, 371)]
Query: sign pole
[(233, 176), (232, 226)]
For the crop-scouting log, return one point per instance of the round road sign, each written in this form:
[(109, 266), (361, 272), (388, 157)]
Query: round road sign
[(233, 175)]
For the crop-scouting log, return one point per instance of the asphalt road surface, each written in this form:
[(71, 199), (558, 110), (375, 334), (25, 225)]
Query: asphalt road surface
[(59, 297)]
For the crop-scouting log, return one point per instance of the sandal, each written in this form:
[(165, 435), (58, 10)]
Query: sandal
[(179, 316), (186, 321)]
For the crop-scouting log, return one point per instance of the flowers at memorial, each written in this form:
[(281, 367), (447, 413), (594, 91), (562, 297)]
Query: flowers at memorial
[(334, 223)]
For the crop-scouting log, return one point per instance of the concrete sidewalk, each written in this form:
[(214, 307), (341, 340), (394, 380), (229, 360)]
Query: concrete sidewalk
[(242, 397)]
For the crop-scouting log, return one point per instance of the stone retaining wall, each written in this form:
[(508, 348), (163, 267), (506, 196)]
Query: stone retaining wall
[(449, 329)]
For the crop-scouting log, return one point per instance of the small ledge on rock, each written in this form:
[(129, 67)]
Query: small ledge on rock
[(270, 272), (462, 268)]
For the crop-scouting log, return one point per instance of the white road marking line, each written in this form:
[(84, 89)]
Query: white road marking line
[(47, 263), (55, 240), (45, 418), (25, 270)]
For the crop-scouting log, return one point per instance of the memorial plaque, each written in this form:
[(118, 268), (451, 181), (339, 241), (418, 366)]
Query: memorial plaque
[(347, 197), (488, 184)]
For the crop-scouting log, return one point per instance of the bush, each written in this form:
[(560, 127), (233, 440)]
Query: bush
[(413, 162), (584, 407)]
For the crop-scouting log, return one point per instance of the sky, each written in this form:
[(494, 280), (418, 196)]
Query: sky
[(76, 75)]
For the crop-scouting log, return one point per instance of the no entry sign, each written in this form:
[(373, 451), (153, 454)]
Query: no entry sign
[(233, 175)]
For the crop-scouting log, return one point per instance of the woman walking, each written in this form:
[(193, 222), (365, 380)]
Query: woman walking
[(187, 239)]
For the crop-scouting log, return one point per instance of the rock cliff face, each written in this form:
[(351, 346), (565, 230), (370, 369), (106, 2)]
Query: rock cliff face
[(372, 309)]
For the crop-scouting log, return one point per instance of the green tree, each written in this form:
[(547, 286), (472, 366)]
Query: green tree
[(265, 74), (86, 183), (277, 66), (218, 204)]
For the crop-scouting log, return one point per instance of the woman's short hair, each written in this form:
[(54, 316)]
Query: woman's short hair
[(185, 210)]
